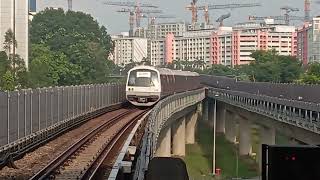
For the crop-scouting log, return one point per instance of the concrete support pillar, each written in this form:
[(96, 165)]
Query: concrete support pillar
[(221, 118), (178, 133), (267, 136), (191, 124), (230, 127), (205, 110), (164, 147), (245, 146), (211, 113)]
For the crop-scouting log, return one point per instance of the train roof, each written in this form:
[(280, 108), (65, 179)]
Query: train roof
[(165, 71)]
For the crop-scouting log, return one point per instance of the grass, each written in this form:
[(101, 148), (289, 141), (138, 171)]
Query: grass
[(199, 157)]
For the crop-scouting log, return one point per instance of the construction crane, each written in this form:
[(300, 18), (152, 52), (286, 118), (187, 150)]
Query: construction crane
[(307, 10), (152, 18), (70, 5), (288, 10), (277, 18), (222, 18), (132, 16), (135, 5), (194, 9)]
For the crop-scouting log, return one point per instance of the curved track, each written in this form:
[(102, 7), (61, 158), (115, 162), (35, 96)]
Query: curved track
[(83, 159)]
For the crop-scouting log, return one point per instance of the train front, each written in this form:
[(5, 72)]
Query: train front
[(143, 86)]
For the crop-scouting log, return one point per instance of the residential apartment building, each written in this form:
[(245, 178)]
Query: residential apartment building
[(192, 46), (229, 46), (161, 30), (303, 42), (281, 38), (221, 46), (309, 42), (129, 49), (14, 13), (157, 52), (314, 41)]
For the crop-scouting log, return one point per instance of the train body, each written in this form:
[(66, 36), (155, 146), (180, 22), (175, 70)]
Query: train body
[(146, 85)]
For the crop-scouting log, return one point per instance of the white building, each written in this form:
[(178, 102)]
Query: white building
[(128, 49), (21, 25), (157, 51), (161, 30), (314, 41), (194, 45)]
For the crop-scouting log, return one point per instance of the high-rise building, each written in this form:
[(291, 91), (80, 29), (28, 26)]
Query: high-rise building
[(229, 46), (246, 39), (162, 29), (309, 42), (129, 49), (302, 42), (14, 13), (32, 6)]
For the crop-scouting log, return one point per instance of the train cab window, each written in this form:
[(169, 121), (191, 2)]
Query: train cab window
[(143, 78)]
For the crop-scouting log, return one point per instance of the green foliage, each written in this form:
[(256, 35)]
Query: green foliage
[(312, 76), (4, 63), (220, 70), (271, 67), (13, 73), (8, 81), (71, 46), (9, 40), (48, 68)]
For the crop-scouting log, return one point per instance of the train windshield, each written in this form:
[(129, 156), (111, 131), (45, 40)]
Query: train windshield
[(143, 78)]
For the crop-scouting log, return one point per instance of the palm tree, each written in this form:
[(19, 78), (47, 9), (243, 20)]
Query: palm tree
[(177, 64)]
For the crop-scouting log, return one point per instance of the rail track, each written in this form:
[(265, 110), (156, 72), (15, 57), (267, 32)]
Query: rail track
[(84, 158)]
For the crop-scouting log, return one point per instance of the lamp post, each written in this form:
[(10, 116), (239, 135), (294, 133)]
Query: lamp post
[(214, 134)]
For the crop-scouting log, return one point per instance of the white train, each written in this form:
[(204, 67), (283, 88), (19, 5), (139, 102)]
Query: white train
[(146, 85)]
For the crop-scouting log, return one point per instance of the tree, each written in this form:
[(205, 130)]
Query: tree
[(312, 75), (9, 40), (79, 38), (219, 70), (4, 63), (268, 66), (8, 81), (146, 61), (48, 68)]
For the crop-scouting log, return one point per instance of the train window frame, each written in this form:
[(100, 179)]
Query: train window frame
[(133, 73)]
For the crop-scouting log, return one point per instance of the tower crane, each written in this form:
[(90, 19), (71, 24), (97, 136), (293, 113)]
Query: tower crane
[(222, 18), (132, 16), (278, 18), (135, 5), (307, 9), (194, 9), (152, 18), (288, 10)]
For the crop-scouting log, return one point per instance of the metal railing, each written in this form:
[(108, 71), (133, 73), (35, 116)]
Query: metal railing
[(158, 117), (304, 115), (28, 112)]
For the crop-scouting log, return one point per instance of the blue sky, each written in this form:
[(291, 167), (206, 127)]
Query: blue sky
[(117, 22)]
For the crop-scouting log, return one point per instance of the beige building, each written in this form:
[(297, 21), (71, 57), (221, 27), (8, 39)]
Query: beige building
[(21, 25), (161, 30), (129, 49)]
